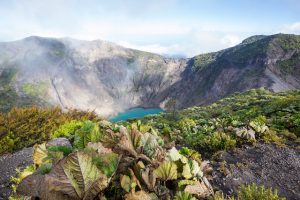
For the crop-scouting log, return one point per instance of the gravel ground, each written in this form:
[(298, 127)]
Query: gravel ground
[(264, 164), (8, 165)]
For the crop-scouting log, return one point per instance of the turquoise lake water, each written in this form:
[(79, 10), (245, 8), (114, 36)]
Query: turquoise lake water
[(135, 113)]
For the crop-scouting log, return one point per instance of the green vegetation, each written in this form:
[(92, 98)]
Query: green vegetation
[(256, 115), (23, 127), (35, 90), (253, 39), (8, 95), (290, 66), (116, 166), (251, 192), (34, 94), (254, 192), (287, 42), (246, 62), (138, 159), (203, 60), (237, 56), (89, 132), (58, 52), (241, 54), (68, 129)]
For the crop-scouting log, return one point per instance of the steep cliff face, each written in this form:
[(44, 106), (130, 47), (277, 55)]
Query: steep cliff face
[(108, 78), (94, 75), (272, 62)]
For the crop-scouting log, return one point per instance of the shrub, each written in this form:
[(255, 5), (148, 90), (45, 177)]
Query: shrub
[(23, 127), (254, 192), (251, 192), (271, 136), (67, 129), (219, 141), (295, 123), (89, 132)]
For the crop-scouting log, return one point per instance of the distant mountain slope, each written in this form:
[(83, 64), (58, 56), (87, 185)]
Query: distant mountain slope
[(94, 75), (108, 78), (272, 62)]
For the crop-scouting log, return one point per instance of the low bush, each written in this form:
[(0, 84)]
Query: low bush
[(251, 192), (218, 141), (254, 192), (68, 129), (23, 127)]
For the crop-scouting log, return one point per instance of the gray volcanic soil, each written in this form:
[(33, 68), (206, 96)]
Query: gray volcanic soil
[(263, 164), (8, 165), (21, 159)]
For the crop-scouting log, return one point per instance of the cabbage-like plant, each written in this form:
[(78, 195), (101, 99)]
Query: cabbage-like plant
[(40, 154), (245, 133), (74, 177), (130, 161), (259, 124), (47, 155), (166, 171)]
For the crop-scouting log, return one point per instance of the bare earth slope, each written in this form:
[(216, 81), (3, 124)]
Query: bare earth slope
[(265, 164)]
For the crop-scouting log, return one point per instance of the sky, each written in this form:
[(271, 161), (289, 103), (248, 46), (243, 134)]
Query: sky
[(169, 27)]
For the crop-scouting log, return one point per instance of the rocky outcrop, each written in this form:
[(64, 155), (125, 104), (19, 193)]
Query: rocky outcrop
[(107, 78), (59, 142)]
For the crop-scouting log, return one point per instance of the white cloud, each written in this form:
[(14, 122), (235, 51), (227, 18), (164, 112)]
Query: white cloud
[(293, 28), (194, 42), (137, 24), (231, 40), (174, 49), (117, 29)]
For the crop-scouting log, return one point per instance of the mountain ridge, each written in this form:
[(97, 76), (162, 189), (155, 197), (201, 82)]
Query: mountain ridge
[(108, 78)]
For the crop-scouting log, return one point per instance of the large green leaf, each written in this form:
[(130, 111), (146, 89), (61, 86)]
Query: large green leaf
[(135, 137), (110, 139), (75, 177), (166, 171), (191, 154), (191, 169), (174, 155), (122, 142), (258, 126), (40, 154), (150, 144), (95, 133), (125, 182)]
